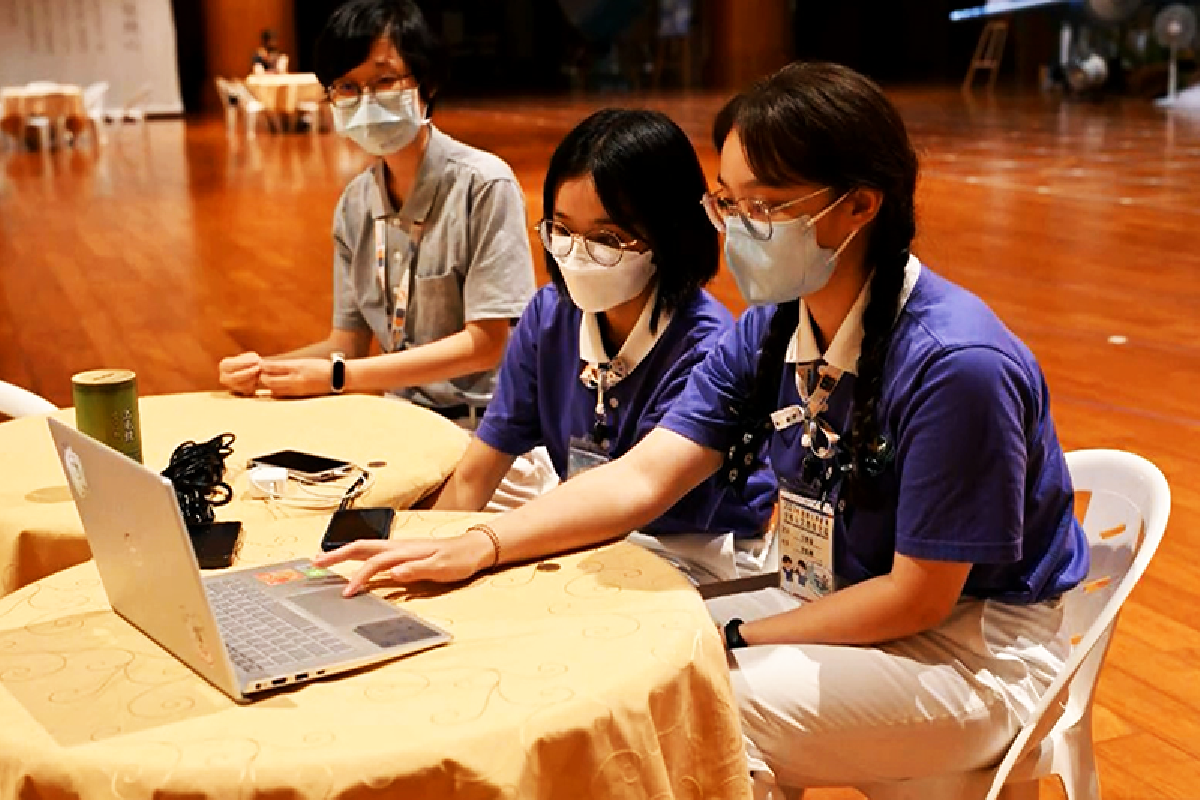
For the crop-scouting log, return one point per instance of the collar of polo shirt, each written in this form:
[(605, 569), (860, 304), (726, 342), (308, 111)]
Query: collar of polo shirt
[(637, 346), (844, 350), (424, 190)]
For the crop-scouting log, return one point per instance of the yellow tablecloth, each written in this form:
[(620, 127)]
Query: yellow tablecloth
[(280, 93), (40, 531), (591, 675)]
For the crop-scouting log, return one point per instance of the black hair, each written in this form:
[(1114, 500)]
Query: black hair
[(346, 42), (824, 123), (649, 180), (267, 36)]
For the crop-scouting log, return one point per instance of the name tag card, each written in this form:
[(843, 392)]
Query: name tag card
[(805, 529)]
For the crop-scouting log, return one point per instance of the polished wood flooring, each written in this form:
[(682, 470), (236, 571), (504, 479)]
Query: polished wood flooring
[(172, 246)]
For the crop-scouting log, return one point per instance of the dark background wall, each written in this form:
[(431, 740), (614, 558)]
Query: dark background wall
[(521, 46)]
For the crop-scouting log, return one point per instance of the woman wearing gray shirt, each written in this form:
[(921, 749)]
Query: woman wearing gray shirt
[(431, 253)]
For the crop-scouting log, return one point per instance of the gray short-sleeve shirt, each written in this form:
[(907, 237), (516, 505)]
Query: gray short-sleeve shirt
[(462, 236)]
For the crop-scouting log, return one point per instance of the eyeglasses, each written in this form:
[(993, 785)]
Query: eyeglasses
[(753, 211), (604, 247), (347, 94)]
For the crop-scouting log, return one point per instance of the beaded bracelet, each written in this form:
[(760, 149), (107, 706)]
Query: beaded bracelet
[(491, 534)]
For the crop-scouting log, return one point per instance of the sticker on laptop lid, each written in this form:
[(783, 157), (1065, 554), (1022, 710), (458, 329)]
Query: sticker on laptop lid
[(313, 571), (279, 576), (74, 470), (196, 627)]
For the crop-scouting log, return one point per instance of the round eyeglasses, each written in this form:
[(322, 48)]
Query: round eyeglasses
[(753, 211), (604, 247), (348, 94)]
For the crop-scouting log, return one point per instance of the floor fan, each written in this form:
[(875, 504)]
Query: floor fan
[(1174, 28)]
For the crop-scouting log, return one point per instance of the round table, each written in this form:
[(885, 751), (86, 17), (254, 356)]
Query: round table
[(40, 531), (595, 674), (281, 92)]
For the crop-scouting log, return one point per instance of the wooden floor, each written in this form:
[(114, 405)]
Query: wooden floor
[(171, 247)]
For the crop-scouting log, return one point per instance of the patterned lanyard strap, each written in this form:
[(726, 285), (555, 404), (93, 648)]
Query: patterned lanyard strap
[(818, 436), (602, 377)]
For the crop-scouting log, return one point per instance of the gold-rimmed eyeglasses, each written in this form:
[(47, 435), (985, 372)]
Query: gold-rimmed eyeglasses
[(348, 94), (602, 246), (754, 212)]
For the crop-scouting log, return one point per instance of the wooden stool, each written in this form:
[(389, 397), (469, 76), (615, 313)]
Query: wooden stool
[(989, 52)]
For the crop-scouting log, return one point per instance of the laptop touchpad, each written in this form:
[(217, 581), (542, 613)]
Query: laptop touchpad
[(330, 606)]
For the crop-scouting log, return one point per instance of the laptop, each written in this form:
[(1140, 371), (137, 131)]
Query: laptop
[(246, 631)]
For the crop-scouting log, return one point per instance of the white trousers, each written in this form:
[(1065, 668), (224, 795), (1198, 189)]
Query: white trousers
[(709, 557), (945, 701), (529, 476)]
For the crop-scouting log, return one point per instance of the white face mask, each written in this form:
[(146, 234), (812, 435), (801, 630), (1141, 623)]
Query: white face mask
[(788, 265), (382, 124), (595, 288)]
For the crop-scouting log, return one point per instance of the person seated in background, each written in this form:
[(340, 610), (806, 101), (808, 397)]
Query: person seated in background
[(599, 355), (908, 429), (267, 57), (431, 253)]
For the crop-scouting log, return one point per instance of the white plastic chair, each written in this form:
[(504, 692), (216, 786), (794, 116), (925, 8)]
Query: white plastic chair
[(135, 106), (18, 402), (93, 106), (1125, 502), (229, 102), (250, 105)]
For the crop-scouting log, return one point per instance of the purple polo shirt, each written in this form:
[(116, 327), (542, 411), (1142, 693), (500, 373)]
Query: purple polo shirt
[(540, 400), (978, 476)]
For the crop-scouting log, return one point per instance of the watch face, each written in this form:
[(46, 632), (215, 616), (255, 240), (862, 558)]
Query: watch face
[(337, 379)]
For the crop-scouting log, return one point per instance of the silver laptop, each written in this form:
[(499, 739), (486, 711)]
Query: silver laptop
[(245, 631)]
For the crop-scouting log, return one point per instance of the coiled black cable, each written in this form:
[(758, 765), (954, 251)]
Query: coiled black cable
[(197, 471)]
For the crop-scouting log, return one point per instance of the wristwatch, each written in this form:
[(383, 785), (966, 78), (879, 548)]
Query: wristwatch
[(337, 373), (733, 635)]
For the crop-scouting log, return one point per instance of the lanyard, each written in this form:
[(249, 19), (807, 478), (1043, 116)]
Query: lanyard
[(399, 293), (601, 377), (818, 436)]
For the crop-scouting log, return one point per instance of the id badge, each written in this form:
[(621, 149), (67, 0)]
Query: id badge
[(805, 529), (584, 454)]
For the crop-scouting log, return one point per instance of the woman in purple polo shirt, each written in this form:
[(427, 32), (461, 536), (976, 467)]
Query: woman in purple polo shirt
[(920, 476), (601, 353)]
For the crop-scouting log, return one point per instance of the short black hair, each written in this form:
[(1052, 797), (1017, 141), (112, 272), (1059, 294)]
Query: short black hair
[(649, 180), (346, 42)]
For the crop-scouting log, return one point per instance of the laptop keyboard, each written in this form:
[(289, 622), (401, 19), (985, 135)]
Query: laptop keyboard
[(262, 634)]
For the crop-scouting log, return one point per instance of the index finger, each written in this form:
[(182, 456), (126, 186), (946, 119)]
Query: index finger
[(277, 367), (360, 550)]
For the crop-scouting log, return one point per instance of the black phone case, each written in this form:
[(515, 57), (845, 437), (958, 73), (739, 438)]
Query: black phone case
[(351, 524)]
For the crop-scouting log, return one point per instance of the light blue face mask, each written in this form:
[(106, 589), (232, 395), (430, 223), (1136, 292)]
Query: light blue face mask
[(788, 265), (382, 124)]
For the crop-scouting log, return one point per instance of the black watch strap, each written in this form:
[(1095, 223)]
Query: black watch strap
[(733, 634), (337, 373)]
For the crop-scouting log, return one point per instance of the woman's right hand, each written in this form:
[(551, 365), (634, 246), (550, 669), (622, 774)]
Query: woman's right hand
[(239, 374), (413, 560)]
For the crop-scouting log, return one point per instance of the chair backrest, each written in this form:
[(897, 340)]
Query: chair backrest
[(281, 64), (18, 402), (1124, 502), (225, 90), (244, 96), (139, 98), (93, 98)]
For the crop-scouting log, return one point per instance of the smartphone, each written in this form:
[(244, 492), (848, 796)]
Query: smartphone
[(216, 544), (351, 524), (306, 466)]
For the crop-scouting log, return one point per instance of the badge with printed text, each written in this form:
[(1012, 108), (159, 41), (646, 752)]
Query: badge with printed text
[(805, 528)]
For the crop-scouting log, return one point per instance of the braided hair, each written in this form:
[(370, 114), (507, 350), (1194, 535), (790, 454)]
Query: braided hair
[(824, 123)]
